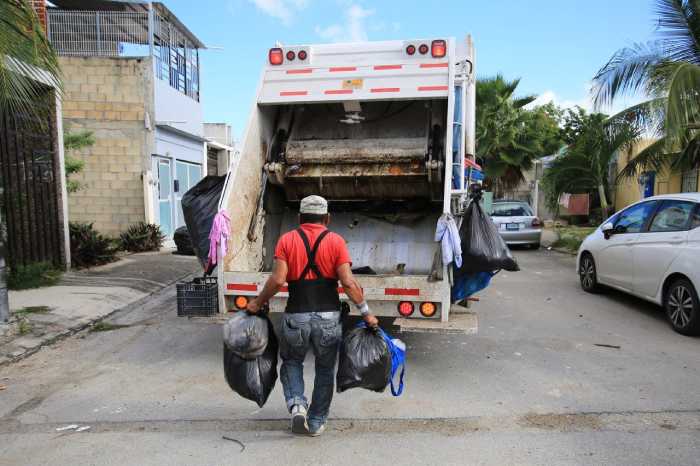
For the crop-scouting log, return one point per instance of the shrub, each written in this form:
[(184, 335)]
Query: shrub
[(88, 247), (36, 275), (142, 237)]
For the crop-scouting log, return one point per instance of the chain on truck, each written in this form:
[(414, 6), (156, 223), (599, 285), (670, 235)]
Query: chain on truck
[(381, 130)]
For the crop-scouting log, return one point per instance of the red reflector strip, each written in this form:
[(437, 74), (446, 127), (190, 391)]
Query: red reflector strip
[(433, 65), (402, 291), (300, 71), (385, 89), (291, 93), (338, 69), (338, 91), (432, 88), (242, 287), (388, 67)]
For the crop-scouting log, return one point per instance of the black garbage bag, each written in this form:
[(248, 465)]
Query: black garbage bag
[(246, 335), (483, 249), (253, 379), (365, 361), (199, 207)]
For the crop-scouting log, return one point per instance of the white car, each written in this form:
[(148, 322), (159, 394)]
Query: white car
[(651, 249)]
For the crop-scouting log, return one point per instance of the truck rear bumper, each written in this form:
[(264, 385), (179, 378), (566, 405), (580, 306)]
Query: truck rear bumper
[(383, 293)]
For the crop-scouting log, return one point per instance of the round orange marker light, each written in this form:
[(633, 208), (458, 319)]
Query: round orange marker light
[(406, 308), (428, 309), (241, 302)]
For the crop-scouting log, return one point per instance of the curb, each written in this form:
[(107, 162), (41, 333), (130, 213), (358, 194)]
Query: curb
[(78, 328)]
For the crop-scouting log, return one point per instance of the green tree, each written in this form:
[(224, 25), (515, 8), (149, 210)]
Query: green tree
[(510, 137), (25, 56), (74, 142), (584, 167), (667, 70)]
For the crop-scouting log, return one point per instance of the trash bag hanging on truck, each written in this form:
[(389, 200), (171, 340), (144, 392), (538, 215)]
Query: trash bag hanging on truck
[(483, 249), (199, 207), (253, 379)]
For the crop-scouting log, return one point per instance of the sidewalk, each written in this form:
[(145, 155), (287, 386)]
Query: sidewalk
[(42, 316)]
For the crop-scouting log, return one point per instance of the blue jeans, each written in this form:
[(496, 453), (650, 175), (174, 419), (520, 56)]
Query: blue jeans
[(320, 331)]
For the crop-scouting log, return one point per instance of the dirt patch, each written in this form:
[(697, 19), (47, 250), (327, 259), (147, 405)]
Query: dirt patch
[(561, 422)]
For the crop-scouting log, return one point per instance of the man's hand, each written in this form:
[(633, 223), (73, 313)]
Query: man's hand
[(253, 306), (371, 321)]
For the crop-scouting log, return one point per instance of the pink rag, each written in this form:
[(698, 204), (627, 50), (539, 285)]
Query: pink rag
[(219, 235)]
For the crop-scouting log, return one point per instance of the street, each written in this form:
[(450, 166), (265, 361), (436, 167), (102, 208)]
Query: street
[(553, 376)]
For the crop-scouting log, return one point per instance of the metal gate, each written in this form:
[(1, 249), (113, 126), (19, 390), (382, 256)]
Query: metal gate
[(30, 182)]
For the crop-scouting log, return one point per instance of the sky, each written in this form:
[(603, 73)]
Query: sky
[(554, 47)]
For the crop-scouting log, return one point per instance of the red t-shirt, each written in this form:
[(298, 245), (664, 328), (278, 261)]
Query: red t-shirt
[(331, 254)]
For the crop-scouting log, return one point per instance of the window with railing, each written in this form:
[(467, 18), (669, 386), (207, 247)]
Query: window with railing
[(126, 34), (689, 181)]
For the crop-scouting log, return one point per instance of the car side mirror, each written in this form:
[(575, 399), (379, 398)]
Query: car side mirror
[(608, 229)]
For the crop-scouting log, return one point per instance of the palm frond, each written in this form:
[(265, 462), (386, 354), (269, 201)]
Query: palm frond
[(28, 63), (627, 72), (647, 116), (679, 25), (683, 103), (655, 158)]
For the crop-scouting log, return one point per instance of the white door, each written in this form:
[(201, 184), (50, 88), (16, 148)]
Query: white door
[(162, 168), (656, 248), (187, 175), (614, 261)]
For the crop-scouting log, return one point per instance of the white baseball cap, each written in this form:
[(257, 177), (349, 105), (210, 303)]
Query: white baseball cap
[(313, 205)]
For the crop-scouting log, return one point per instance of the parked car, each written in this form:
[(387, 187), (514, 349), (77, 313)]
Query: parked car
[(651, 249), (517, 223)]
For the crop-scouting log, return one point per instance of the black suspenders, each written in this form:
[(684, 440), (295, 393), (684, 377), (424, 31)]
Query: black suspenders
[(311, 254)]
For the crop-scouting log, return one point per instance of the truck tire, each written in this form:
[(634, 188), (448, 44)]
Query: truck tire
[(683, 307)]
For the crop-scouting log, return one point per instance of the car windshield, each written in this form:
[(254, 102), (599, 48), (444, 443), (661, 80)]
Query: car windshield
[(511, 209)]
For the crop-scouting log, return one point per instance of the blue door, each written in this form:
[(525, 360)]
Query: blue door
[(650, 181)]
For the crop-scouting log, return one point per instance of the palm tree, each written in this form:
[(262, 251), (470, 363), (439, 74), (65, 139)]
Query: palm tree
[(668, 71), (584, 166), (508, 136), (26, 58)]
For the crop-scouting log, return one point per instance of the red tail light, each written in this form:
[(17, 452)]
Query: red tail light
[(439, 48), (411, 49), (406, 308), (301, 55), (275, 56), (423, 49), (291, 55), (536, 222)]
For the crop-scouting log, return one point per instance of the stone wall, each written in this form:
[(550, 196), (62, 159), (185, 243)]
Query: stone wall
[(110, 97)]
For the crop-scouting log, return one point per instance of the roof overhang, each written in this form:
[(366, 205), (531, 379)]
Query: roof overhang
[(180, 132)]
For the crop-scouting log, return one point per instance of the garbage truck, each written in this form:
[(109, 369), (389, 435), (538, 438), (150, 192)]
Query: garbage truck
[(382, 131)]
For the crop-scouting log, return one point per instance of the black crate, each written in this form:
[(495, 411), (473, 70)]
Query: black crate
[(200, 297)]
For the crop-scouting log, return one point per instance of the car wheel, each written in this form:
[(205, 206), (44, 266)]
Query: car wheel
[(683, 307), (535, 246), (587, 274)]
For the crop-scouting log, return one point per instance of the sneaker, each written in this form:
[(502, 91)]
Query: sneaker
[(299, 425), (317, 429)]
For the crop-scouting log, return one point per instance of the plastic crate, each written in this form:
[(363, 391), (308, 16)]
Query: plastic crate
[(200, 297)]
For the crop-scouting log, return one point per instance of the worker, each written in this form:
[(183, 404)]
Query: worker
[(311, 259)]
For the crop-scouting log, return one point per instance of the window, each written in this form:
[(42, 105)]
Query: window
[(689, 181), (511, 209), (695, 218), (672, 216), (634, 218)]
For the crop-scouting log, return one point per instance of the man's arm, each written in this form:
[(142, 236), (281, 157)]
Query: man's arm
[(272, 286), (354, 291)]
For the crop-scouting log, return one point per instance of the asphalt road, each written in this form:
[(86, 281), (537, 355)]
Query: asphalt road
[(531, 387)]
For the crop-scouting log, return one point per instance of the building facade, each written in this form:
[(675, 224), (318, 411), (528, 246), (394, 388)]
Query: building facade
[(131, 77)]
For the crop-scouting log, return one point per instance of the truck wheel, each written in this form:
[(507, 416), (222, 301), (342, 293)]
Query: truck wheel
[(587, 274), (683, 307)]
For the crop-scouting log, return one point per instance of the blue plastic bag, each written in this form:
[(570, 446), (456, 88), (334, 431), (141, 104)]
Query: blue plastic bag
[(397, 348)]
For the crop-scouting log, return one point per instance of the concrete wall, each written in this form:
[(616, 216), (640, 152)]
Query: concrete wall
[(174, 108), (110, 97), (628, 191), (178, 147)]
